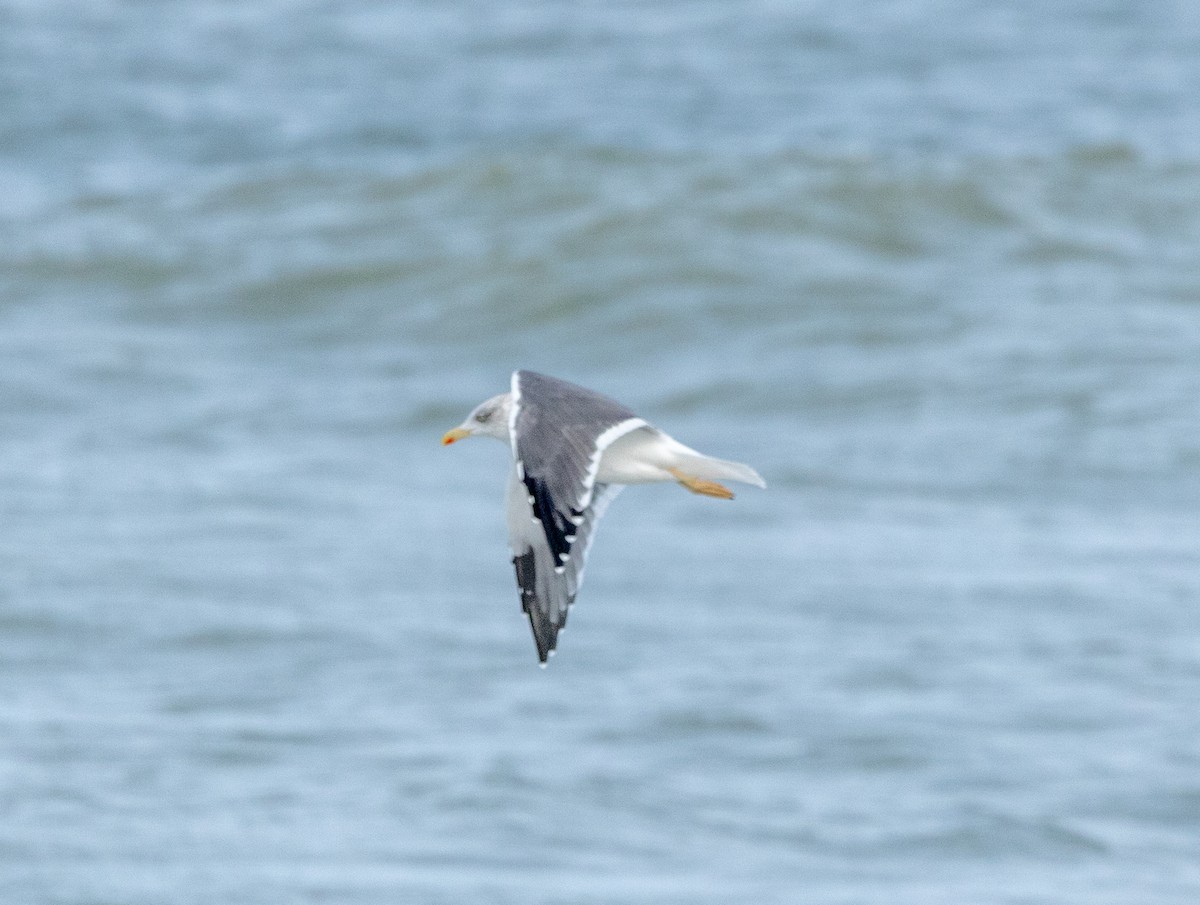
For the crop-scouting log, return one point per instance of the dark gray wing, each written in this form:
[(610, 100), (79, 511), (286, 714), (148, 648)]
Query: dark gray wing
[(548, 590), (559, 432)]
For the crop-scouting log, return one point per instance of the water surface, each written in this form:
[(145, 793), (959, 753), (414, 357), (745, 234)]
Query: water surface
[(929, 267)]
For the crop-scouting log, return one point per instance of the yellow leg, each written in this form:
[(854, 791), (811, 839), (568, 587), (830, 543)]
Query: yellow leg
[(701, 486)]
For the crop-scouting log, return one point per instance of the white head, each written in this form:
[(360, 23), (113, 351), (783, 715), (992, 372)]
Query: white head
[(489, 419)]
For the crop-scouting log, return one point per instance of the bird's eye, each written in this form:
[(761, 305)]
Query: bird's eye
[(485, 416)]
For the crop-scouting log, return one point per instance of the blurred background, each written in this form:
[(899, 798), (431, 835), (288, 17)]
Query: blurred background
[(931, 267)]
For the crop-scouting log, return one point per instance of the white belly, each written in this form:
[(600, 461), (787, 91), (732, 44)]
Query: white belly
[(640, 457)]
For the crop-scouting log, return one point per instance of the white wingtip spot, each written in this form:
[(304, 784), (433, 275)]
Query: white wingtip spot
[(558, 570)]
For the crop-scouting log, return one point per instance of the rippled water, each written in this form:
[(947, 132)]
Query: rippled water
[(931, 268)]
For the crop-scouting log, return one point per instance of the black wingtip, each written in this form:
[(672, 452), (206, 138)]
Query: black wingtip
[(545, 632), (544, 636)]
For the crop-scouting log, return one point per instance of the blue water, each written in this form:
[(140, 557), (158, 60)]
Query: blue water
[(929, 267)]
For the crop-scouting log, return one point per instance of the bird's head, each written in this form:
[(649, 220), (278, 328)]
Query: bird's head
[(489, 419)]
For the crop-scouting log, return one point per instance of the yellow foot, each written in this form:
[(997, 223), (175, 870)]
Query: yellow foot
[(701, 486)]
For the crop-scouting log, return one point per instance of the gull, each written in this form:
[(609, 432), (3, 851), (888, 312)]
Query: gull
[(573, 451)]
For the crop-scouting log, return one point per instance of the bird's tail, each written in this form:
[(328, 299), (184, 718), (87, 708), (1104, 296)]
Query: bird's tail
[(711, 469)]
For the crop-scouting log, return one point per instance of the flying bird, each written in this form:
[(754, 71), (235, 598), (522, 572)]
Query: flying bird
[(573, 452)]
